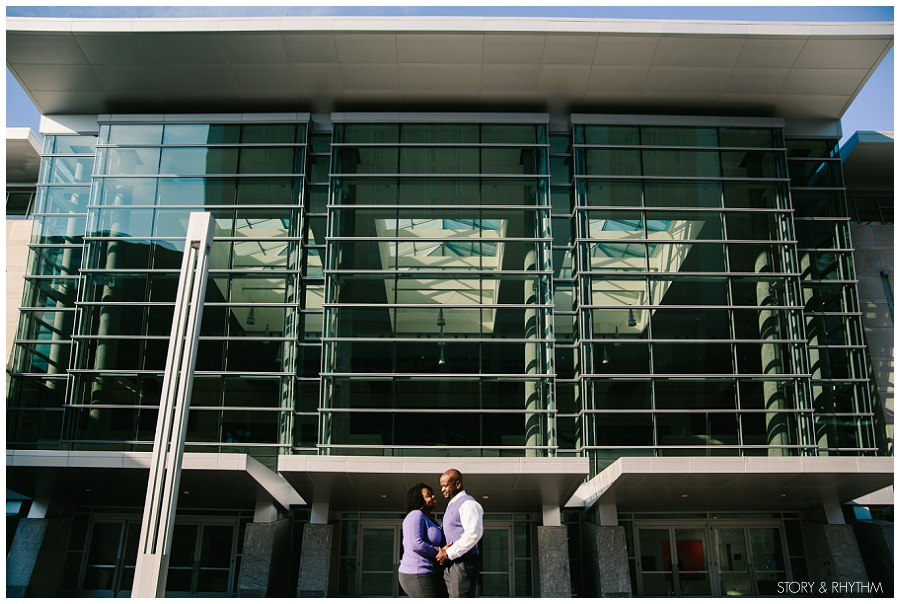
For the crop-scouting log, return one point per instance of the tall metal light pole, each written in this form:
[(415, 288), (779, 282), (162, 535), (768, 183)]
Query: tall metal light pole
[(171, 426)]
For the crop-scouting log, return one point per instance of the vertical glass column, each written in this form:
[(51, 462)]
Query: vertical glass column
[(43, 344), (844, 423), (438, 318)]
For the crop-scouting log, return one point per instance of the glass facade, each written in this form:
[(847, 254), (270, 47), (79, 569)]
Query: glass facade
[(481, 286)]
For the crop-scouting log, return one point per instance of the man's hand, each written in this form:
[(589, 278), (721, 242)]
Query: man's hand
[(441, 557)]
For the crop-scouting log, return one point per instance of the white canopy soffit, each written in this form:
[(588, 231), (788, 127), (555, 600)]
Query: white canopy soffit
[(500, 484), (733, 483), (326, 64)]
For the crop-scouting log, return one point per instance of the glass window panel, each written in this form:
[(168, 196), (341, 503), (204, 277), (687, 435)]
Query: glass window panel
[(124, 223), (625, 257), (607, 135), (45, 358), (755, 195), (829, 298), (513, 133), (57, 261), (560, 170), (673, 225), (815, 173), (683, 194), (439, 133), (820, 234), (710, 429), (692, 358), (127, 191), (706, 324), (272, 133), (366, 133), (610, 193), (749, 291), (629, 357), (318, 169), (749, 324), (818, 204), (560, 143), (18, 202), (689, 291), (199, 134), (765, 395), (695, 395), (320, 143), (622, 429), (61, 200), (658, 162), (561, 200), (72, 144), (214, 160), (444, 160), (263, 160), (612, 225), (801, 148), (750, 137), (757, 258), (747, 226), (196, 191), (269, 191), (367, 160), (615, 162), (50, 292), (132, 134), (59, 229), (696, 257), (679, 136), (67, 169), (826, 265), (318, 200), (752, 164), (621, 395), (132, 161)]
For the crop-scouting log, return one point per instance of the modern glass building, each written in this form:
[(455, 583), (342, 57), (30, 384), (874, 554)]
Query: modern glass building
[(603, 268)]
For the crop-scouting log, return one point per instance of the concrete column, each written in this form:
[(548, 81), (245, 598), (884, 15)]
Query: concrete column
[(553, 562), (876, 544), (35, 560), (315, 561), (832, 554), (606, 559), (533, 390), (266, 559)]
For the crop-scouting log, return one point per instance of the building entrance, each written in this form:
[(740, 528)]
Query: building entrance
[(717, 559), (202, 562), (380, 547)]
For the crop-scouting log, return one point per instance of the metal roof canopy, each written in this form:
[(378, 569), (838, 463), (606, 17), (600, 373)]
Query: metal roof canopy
[(733, 484), (23, 156), (325, 64), (500, 484), (118, 478), (868, 161)]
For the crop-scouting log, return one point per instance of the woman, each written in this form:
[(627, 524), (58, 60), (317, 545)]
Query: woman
[(420, 575)]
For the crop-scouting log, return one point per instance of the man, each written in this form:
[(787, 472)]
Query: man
[(463, 527)]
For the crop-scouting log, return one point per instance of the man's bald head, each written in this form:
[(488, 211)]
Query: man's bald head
[(451, 483)]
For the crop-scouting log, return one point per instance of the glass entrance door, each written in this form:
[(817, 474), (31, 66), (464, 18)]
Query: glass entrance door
[(379, 558), (111, 554), (751, 560), (672, 561), (496, 562)]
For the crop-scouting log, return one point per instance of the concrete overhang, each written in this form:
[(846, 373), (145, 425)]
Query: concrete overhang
[(326, 64), (23, 156), (733, 484), (380, 483), (119, 478), (868, 161)]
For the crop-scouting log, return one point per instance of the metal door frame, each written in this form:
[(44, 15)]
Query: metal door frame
[(397, 526), (510, 554), (712, 554)]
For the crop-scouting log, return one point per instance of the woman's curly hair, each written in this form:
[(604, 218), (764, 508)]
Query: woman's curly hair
[(414, 499)]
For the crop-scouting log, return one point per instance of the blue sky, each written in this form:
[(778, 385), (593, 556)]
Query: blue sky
[(873, 109)]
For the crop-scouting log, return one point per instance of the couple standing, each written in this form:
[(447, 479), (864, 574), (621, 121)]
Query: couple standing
[(438, 561)]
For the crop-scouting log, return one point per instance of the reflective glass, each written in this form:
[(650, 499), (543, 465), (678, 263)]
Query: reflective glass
[(191, 161), (199, 134), (67, 169), (658, 162), (196, 191), (129, 134), (71, 144), (753, 164), (615, 162), (127, 191), (677, 136), (62, 200), (131, 161), (683, 194)]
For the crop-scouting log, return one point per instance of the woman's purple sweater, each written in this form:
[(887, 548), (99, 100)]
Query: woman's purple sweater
[(420, 536)]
